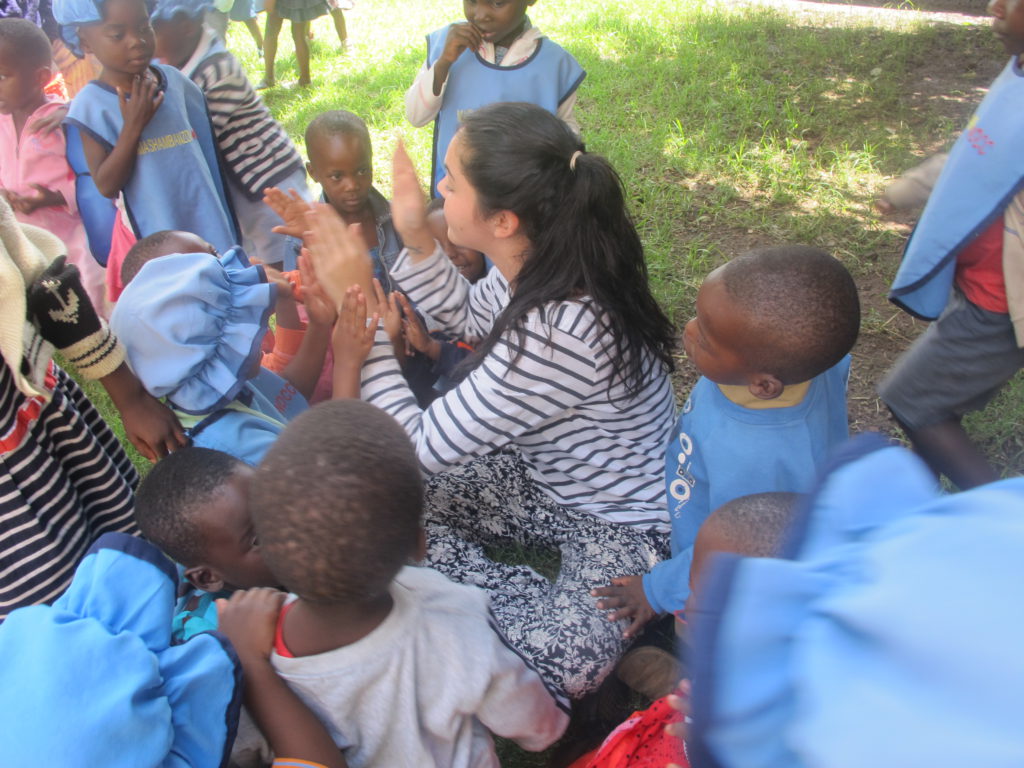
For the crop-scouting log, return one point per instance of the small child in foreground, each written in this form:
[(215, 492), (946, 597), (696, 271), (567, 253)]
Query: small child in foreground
[(34, 173), (771, 338), (405, 666), (194, 506), (750, 526), (193, 325), (295, 350)]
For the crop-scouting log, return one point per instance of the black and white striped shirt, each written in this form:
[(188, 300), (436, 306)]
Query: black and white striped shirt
[(64, 480), (255, 149), (589, 447)]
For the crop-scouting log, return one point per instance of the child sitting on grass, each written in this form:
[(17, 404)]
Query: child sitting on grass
[(771, 338), (255, 149), (194, 506), (750, 526), (34, 173), (193, 326), (405, 666), (144, 127), (495, 55), (294, 350)]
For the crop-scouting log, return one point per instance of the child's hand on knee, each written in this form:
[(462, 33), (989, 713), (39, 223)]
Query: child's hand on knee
[(625, 598)]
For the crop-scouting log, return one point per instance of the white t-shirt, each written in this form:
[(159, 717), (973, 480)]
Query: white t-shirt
[(422, 689)]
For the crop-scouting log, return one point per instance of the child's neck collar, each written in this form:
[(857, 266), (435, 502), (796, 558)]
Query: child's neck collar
[(313, 628), (740, 394)]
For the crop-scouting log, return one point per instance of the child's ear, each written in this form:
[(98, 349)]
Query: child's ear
[(205, 578), (312, 175), (765, 386), (505, 224)]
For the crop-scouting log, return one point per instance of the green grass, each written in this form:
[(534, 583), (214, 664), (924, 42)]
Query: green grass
[(732, 126)]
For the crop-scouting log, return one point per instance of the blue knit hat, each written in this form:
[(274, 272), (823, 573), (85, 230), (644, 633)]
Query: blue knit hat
[(193, 326), (893, 638)]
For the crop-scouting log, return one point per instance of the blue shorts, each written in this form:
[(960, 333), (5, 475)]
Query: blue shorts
[(957, 365)]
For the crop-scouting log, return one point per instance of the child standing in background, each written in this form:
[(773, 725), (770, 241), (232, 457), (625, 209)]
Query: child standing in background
[(495, 55), (144, 128), (255, 149), (34, 173)]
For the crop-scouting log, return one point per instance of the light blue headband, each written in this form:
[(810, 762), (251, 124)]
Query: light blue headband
[(166, 10), (71, 14)]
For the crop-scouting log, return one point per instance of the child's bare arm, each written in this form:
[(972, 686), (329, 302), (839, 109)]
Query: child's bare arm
[(111, 170), (249, 620), (44, 197), (303, 371)]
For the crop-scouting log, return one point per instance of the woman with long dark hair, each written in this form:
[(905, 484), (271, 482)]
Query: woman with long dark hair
[(555, 437)]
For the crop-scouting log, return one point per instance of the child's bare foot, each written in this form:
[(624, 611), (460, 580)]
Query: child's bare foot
[(266, 82)]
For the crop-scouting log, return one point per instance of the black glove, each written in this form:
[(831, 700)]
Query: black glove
[(61, 307)]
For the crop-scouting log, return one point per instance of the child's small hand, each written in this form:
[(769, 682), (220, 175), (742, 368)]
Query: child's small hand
[(43, 198), (390, 313), (415, 331), (461, 36), (49, 123), (291, 208), (626, 599), (139, 106), (249, 620), (353, 336), (319, 307)]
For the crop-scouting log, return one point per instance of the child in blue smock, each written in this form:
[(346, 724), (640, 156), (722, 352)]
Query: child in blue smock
[(963, 267), (144, 127), (193, 326), (495, 55), (885, 636), (771, 337)]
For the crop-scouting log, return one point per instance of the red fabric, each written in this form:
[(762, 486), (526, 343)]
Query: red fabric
[(979, 270), (279, 646), (640, 742), (121, 242)]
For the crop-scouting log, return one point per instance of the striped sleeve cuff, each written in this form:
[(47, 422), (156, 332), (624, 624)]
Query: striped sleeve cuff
[(97, 355)]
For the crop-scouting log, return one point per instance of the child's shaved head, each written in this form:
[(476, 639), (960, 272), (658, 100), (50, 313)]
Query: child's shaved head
[(753, 526), (25, 43), (337, 503), (337, 122), (162, 243), (802, 307)]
